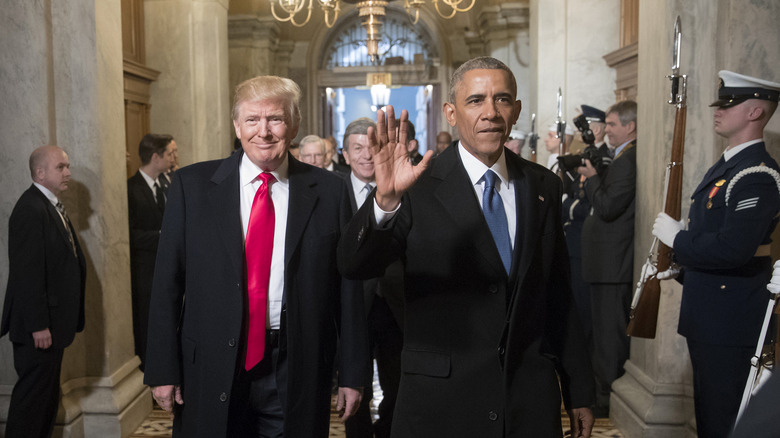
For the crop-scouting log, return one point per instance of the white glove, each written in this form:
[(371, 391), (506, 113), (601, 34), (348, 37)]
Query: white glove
[(774, 283), (668, 274), (665, 228)]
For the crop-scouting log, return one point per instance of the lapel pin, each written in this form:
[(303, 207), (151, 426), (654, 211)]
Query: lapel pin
[(541, 198)]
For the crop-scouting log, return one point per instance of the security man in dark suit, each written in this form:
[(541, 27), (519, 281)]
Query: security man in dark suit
[(724, 253), (44, 301), (489, 325), (145, 205), (608, 250)]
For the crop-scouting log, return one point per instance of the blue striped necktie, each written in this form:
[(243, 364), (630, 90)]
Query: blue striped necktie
[(493, 209)]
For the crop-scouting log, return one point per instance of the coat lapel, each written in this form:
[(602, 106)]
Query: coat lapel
[(529, 203), (149, 195), (465, 211), (225, 210), (54, 216), (718, 170), (302, 200)]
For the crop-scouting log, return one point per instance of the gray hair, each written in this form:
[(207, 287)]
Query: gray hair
[(314, 139), (480, 63), (625, 110), (360, 127)]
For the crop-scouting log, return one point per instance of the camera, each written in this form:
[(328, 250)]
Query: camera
[(583, 125), (600, 160)]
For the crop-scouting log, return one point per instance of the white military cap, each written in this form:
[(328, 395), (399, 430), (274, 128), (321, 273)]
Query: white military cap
[(736, 88)]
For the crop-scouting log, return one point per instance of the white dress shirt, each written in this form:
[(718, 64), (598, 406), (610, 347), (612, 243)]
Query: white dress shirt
[(476, 171), (359, 188), (280, 196), (54, 201), (729, 153), (151, 183)]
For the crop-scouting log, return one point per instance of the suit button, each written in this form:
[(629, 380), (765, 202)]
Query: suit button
[(722, 287), (501, 351), (223, 397), (232, 342), (493, 288), (492, 416)]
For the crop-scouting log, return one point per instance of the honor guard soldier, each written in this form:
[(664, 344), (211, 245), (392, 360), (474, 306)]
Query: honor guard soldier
[(724, 253), (576, 207)]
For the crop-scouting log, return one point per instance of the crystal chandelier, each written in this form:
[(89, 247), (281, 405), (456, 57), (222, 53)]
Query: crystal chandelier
[(370, 11)]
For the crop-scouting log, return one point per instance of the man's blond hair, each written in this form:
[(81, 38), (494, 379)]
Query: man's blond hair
[(269, 87)]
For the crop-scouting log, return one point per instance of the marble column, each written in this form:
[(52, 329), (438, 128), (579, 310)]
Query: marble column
[(654, 397), (504, 30), (61, 78), (253, 42), (568, 41), (187, 42)]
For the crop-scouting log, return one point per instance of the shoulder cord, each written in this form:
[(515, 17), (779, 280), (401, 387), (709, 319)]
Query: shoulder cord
[(750, 170)]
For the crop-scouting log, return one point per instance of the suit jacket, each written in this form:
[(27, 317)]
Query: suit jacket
[(724, 285), (45, 279), (608, 232), (390, 285), (481, 349), (200, 289), (145, 220)]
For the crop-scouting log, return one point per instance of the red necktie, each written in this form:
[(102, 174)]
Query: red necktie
[(259, 247)]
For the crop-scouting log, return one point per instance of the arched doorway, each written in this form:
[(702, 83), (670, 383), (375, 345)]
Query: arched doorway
[(407, 73)]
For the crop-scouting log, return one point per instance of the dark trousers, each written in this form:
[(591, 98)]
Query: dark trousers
[(256, 403), (141, 298), (720, 374), (386, 344), (610, 303), (36, 395)]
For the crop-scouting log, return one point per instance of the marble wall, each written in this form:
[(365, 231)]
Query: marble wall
[(187, 42), (62, 81), (568, 41)]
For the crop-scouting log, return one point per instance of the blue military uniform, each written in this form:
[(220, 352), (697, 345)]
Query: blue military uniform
[(576, 208), (724, 294), (726, 264)]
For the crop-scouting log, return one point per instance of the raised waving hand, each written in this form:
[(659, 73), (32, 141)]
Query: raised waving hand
[(395, 173)]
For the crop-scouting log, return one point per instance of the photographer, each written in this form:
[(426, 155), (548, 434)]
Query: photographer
[(608, 249), (576, 205)]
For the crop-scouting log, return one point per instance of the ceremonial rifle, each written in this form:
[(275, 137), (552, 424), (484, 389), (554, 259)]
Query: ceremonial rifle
[(560, 126), (643, 317), (533, 138), (560, 134)]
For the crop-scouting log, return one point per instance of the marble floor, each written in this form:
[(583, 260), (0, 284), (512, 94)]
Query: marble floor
[(158, 424)]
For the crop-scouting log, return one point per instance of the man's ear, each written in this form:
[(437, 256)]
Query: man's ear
[(517, 108), (756, 112), (449, 113), (237, 129)]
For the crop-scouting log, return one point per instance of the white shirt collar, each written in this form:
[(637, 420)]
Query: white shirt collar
[(149, 181), (476, 169), (729, 153), (48, 193), (359, 185), (248, 171)]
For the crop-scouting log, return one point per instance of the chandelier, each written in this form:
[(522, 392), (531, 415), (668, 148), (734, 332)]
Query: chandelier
[(370, 11)]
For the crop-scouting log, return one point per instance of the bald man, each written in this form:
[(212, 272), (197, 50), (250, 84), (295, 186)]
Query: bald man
[(44, 301)]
